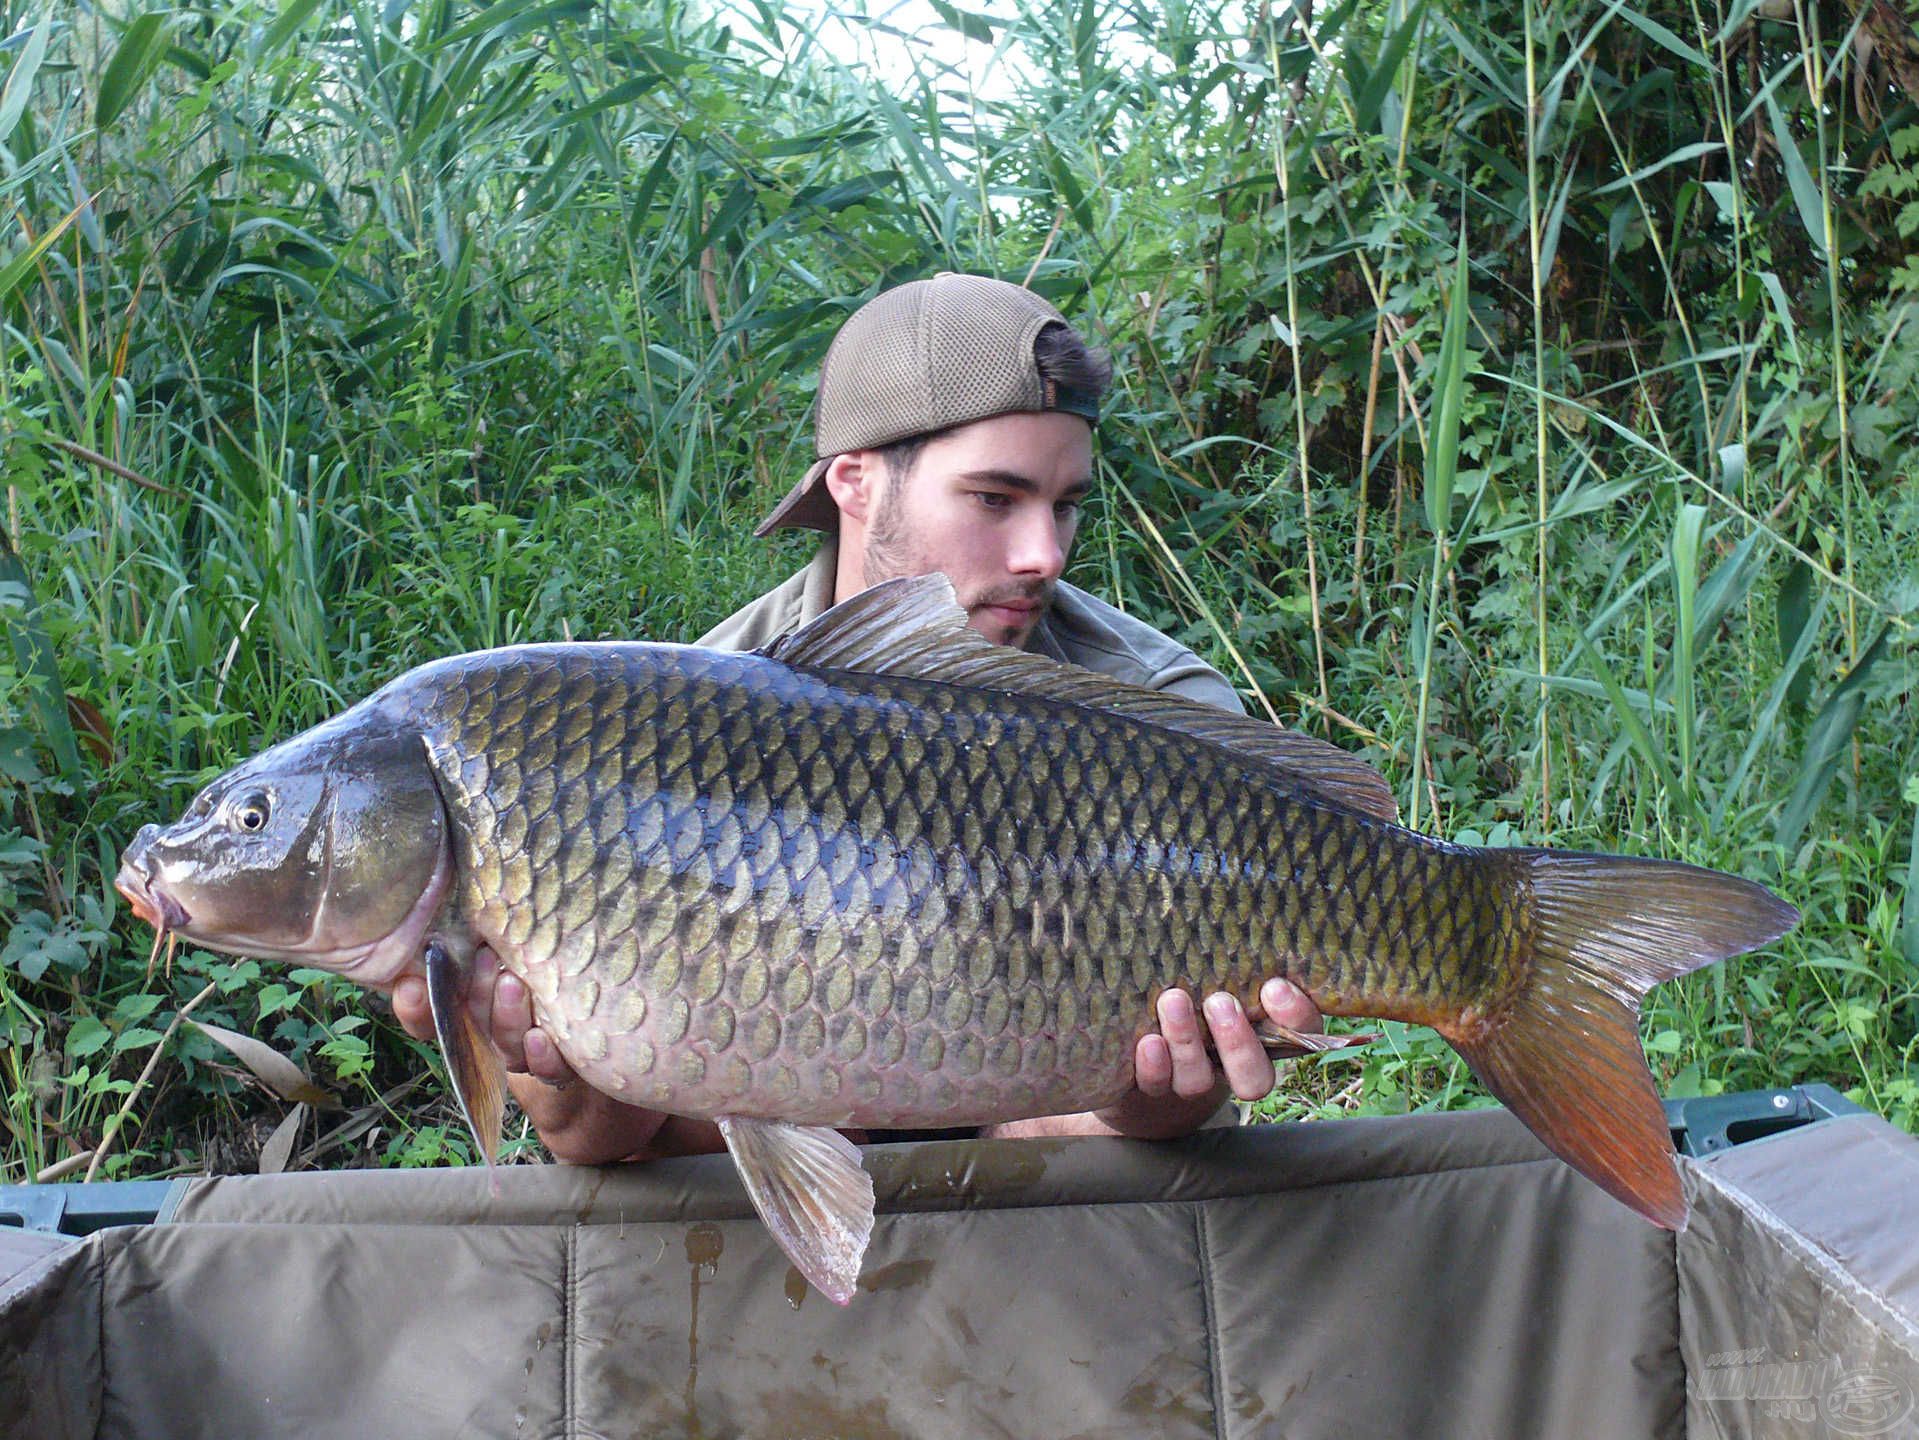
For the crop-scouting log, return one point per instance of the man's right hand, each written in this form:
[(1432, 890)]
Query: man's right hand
[(578, 1124)]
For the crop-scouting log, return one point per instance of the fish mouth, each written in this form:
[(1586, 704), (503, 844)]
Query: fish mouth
[(156, 907), (166, 915)]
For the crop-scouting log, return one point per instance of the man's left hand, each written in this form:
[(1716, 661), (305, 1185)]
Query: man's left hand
[(1176, 1085)]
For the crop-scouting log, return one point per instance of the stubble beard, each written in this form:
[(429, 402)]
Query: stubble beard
[(895, 549)]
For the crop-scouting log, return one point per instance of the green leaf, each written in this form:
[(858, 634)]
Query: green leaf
[(847, 192), (18, 761), (134, 59), (1371, 93), (18, 268), (1726, 586), (18, 848), (292, 16), (1792, 608), (972, 26), (1449, 390), (1805, 194), (1769, 712), (1663, 37), (623, 93), (1678, 157), (1635, 728), (136, 1038), (1685, 575), (13, 99), (649, 185), (33, 653), (1910, 942), (511, 17), (1555, 220), (1826, 743), (135, 1007), (1777, 293), (87, 1036)]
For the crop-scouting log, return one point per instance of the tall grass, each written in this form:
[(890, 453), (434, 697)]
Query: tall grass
[(1528, 407)]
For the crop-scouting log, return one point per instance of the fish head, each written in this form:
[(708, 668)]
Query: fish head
[(330, 850)]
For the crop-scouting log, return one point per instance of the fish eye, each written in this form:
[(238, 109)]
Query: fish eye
[(251, 813)]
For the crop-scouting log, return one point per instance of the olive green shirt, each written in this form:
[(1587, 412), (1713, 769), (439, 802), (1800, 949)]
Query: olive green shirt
[(1078, 628)]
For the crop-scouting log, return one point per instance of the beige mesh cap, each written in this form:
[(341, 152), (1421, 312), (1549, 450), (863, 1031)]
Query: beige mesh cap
[(922, 357)]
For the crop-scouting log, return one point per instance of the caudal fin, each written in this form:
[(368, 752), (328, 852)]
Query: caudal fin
[(1564, 1053)]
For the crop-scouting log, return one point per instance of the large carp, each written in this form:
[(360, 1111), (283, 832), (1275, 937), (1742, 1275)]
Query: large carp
[(886, 872)]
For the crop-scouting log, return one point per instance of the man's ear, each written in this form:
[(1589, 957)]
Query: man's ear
[(853, 480)]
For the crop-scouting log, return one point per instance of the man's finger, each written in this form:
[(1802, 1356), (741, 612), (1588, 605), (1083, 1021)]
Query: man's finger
[(511, 1019), (544, 1061), (1286, 1004), (1192, 1070), (1241, 1056), (1153, 1066), (412, 1008)]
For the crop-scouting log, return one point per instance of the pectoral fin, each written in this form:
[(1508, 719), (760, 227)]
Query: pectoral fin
[(808, 1185), (1282, 1042), (472, 1064)]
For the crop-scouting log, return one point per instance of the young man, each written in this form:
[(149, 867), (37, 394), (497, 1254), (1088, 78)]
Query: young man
[(953, 432)]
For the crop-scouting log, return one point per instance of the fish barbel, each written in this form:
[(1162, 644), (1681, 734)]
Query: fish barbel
[(886, 872)]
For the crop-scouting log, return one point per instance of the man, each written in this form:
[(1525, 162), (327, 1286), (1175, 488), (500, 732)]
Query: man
[(953, 432)]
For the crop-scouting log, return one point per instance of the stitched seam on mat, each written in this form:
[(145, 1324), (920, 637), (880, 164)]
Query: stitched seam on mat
[(952, 1203), (569, 1421), (100, 1304), (1215, 1364), (1679, 1334), (1839, 1282)]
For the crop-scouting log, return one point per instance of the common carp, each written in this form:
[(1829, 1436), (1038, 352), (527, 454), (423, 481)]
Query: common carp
[(888, 873)]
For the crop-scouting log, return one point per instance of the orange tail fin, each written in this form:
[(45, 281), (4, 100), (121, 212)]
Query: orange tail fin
[(1564, 1052)]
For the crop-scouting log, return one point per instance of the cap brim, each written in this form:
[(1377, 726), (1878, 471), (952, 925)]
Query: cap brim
[(807, 506)]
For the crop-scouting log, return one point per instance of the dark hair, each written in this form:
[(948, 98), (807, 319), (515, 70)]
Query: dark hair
[(1058, 354), (902, 455)]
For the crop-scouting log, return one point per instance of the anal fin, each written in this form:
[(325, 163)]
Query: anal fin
[(810, 1189), (472, 1064), (1282, 1042)]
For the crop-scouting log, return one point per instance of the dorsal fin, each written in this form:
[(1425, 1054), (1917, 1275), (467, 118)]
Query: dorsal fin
[(915, 627)]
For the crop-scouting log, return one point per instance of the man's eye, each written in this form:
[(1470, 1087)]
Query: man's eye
[(993, 499), (1066, 509)]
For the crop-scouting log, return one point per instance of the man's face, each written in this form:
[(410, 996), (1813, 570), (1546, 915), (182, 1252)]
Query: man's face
[(994, 505)]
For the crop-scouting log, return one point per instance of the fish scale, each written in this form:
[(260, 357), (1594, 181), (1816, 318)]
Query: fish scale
[(1070, 870)]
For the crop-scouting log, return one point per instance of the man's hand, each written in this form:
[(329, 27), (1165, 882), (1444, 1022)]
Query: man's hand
[(1176, 1089), (580, 1125)]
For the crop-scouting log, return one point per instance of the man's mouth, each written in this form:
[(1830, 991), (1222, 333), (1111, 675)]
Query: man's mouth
[(1011, 610)]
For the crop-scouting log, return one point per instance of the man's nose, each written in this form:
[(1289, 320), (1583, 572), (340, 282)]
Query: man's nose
[(1037, 549)]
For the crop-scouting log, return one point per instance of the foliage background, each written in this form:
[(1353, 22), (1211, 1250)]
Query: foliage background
[(341, 335)]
